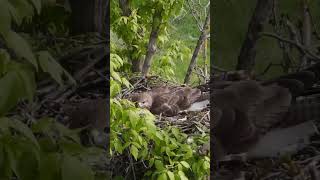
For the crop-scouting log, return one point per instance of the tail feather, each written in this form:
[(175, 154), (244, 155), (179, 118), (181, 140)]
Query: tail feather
[(204, 96), (295, 82)]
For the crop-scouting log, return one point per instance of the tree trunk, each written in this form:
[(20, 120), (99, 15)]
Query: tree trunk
[(89, 16), (306, 34), (197, 49), (152, 41), (261, 15)]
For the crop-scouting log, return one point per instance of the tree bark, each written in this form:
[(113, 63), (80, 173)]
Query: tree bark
[(197, 49), (306, 34), (261, 15), (89, 16), (152, 45)]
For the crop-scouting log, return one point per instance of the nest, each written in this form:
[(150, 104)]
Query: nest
[(191, 122)]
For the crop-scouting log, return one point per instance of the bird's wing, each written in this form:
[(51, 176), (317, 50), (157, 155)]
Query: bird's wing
[(248, 111), (271, 108)]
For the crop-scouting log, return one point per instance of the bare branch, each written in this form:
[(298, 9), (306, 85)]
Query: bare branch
[(300, 47)]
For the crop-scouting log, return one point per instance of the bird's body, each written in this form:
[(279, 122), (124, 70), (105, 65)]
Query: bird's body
[(93, 116), (168, 101), (245, 111)]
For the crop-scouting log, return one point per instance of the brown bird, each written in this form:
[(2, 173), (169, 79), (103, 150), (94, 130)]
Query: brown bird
[(245, 112), (91, 114), (168, 101)]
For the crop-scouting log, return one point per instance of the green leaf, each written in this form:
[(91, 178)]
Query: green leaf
[(5, 167), (5, 18), (116, 76), (70, 147), (21, 47), (134, 151), (185, 164), (4, 61), (37, 5), (162, 176), (28, 83), (21, 10), (48, 64), (24, 130), (11, 91), (50, 166), (72, 168), (182, 175), (159, 165), (206, 165), (134, 118), (28, 164), (114, 88), (171, 175), (125, 82), (4, 123), (42, 125)]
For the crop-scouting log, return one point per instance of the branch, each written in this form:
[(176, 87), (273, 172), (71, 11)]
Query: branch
[(300, 47), (197, 49), (195, 15)]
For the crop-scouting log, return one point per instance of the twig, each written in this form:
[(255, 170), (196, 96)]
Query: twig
[(268, 67), (300, 47)]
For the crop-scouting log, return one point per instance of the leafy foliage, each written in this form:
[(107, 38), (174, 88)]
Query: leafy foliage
[(169, 153), (135, 28), (168, 63), (46, 150)]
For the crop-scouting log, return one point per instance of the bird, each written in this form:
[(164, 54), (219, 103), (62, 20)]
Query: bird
[(245, 112), (92, 115), (168, 100)]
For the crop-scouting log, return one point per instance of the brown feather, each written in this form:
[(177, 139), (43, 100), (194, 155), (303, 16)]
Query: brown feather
[(248, 111), (167, 100)]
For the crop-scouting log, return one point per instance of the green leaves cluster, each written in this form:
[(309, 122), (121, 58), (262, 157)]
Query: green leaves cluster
[(168, 63), (46, 151), (18, 61), (169, 153), (135, 28)]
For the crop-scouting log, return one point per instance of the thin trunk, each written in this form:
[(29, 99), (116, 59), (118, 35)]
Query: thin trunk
[(261, 15), (306, 34), (100, 16), (197, 49), (205, 69), (152, 45)]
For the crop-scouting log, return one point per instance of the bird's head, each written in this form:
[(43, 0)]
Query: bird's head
[(143, 100)]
